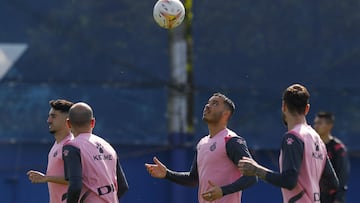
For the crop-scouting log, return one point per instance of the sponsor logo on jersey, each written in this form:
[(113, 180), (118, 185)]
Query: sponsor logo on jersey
[(65, 152), (213, 147), (317, 153), (55, 154), (101, 156), (241, 141), (289, 141), (100, 148)]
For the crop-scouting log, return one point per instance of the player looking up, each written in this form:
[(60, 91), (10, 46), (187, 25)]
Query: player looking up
[(214, 168)]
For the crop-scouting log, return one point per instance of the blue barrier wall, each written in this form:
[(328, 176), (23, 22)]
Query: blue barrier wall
[(18, 158)]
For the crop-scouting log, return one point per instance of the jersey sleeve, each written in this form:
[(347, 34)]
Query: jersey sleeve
[(123, 185), (292, 155), (190, 178), (329, 180), (73, 172), (342, 168), (236, 148)]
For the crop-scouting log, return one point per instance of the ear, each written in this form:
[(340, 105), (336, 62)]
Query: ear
[(307, 109), (68, 124), (227, 113), (92, 123)]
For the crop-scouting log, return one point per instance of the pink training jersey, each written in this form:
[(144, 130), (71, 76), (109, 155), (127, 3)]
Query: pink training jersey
[(307, 189), (55, 167), (214, 165), (98, 160)]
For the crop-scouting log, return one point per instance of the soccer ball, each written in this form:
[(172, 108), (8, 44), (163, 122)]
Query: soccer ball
[(169, 13)]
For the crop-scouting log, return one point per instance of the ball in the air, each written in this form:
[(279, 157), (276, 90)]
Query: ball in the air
[(169, 13)]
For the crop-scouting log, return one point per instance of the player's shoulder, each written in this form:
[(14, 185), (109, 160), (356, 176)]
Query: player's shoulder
[(68, 142), (71, 145), (337, 144), (234, 139), (70, 149), (336, 140), (290, 138), (98, 138)]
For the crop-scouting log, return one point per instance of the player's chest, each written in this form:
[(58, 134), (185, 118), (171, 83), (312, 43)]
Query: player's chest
[(211, 152)]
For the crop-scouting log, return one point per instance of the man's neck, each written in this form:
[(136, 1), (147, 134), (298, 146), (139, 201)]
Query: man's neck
[(293, 121), (326, 138), (61, 135), (215, 129)]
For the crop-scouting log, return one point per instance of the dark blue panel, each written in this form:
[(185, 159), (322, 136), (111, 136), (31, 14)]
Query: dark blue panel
[(262, 44), (86, 41), (123, 115)]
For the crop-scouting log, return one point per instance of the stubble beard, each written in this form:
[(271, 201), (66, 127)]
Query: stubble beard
[(214, 119)]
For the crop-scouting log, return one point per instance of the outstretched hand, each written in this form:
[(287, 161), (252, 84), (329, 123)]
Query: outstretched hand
[(156, 170)]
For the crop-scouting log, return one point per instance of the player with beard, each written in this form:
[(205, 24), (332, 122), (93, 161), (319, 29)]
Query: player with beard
[(214, 168), (57, 185), (303, 159)]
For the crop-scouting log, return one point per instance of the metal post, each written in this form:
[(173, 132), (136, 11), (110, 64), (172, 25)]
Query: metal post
[(179, 104)]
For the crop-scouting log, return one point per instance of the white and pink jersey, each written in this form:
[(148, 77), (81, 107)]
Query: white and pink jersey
[(307, 189), (214, 165), (55, 167), (98, 160)]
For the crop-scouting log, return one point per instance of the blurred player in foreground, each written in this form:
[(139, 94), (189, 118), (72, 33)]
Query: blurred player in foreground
[(214, 168), (337, 152), (57, 185), (303, 159), (91, 164)]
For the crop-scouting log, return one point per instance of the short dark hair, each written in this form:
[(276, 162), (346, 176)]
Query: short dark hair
[(328, 116), (227, 101), (61, 105), (296, 97)]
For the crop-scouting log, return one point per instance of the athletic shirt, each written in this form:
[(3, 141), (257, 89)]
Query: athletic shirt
[(307, 189), (55, 167), (98, 160), (214, 165), (337, 153)]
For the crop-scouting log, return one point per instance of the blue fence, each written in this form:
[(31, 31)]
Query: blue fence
[(112, 55)]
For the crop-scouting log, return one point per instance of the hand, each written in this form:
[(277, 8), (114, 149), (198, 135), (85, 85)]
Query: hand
[(248, 166), (157, 170), (213, 193), (36, 177)]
